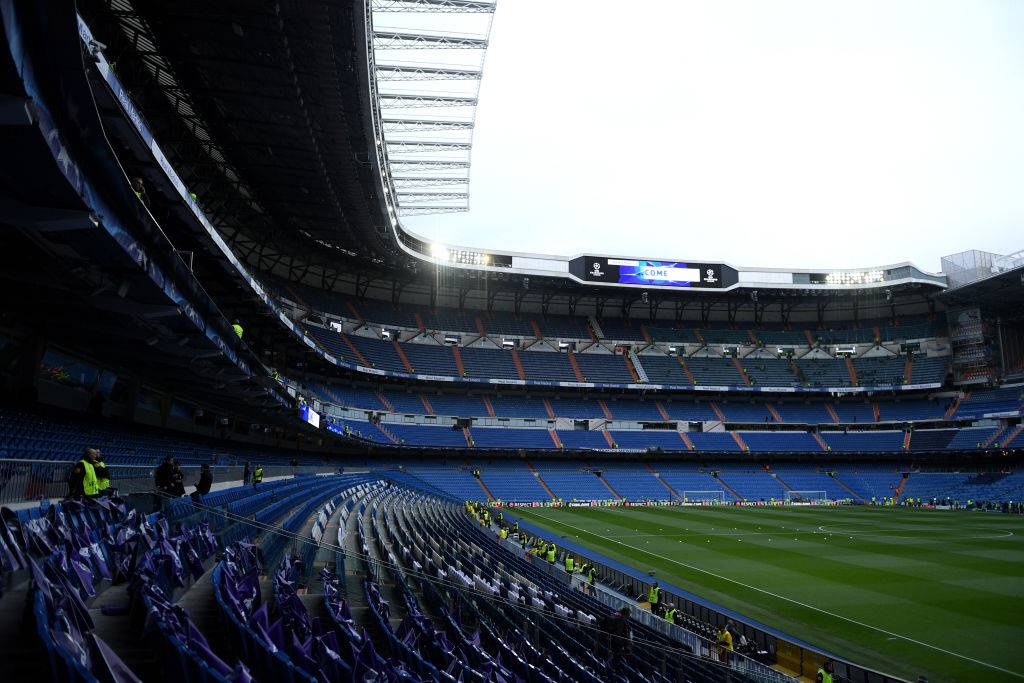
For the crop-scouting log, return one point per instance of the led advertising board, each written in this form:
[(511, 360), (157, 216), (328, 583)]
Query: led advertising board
[(653, 273)]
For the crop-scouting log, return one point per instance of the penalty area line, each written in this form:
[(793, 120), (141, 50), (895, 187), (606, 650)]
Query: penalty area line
[(892, 635)]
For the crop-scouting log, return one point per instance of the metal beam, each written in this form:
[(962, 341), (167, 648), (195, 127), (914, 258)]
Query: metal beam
[(410, 183), (418, 197), (411, 146), (401, 40), (425, 210), (413, 72), (415, 100), (419, 164), (397, 123), (436, 6)]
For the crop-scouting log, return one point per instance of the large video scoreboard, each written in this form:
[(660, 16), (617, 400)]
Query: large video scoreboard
[(648, 273)]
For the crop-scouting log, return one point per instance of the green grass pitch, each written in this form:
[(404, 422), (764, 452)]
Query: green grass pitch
[(904, 591)]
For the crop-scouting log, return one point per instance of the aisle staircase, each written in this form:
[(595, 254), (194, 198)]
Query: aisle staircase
[(540, 479), (672, 492)]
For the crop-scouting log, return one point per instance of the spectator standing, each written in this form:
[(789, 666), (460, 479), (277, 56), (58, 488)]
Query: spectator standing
[(245, 473), (204, 484), (163, 480), (177, 479)]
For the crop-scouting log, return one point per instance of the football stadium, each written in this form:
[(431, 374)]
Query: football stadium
[(256, 426)]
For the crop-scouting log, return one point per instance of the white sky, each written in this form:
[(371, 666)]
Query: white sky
[(776, 134)]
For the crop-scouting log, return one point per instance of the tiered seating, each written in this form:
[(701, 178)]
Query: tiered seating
[(929, 485), (421, 530), (910, 409), (570, 482), (991, 401), (825, 372), (622, 330), (664, 369), (457, 405), (503, 437), (803, 479), (752, 484), (879, 371), (686, 479), (490, 363), (634, 482), (864, 441), (769, 372), (518, 406), (563, 327), (431, 359), (870, 482), (780, 442), (634, 409), (458, 481), (714, 371), (930, 439), (513, 482), (665, 439), (745, 412), (689, 411), (713, 441), (579, 438), (607, 368), (380, 354), (971, 438), (422, 435), (804, 413), (854, 412), (579, 408), (64, 437), (929, 370), (547, 365)]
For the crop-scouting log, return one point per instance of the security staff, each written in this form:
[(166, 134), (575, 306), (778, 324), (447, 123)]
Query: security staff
[(570, 563), (725, 642), (551, 553), (102, 473), (90, 484), (824, 672), (591, 573), (670, 614), (654, 595), (237, 327), (257, 475)]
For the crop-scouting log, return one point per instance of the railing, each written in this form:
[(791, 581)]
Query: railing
[(32, 480)]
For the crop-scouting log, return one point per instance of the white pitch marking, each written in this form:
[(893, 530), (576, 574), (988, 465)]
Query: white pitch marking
[(895, 636)]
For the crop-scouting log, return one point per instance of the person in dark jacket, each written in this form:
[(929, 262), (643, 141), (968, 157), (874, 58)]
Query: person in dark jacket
[(205, 480), (618, 633), (203, 485), (245, 473), (163, 480), (177, 479)]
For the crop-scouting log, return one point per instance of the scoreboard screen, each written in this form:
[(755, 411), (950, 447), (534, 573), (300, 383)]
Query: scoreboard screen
[(652, 273)]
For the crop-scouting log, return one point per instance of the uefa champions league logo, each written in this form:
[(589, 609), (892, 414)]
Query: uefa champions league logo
[(710, 275), (596, 272)]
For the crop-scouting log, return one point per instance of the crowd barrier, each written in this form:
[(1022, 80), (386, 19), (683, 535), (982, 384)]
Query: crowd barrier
[(34, 480)]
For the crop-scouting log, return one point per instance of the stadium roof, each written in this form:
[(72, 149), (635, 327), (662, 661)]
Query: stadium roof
[(272, 112)]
